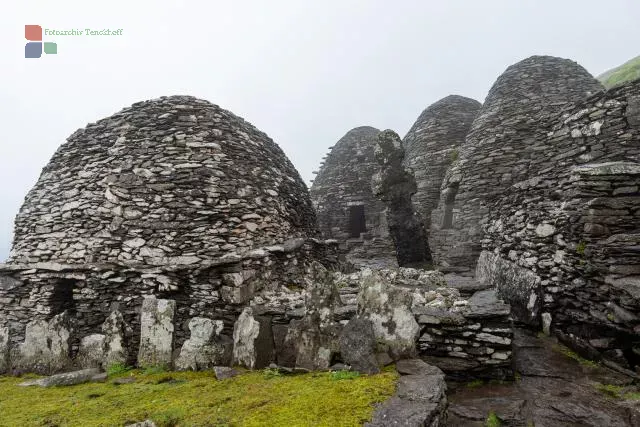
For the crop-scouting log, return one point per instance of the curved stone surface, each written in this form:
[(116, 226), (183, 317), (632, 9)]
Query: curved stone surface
[(346, 207), (500, 149), (432, 144), (169, 178)]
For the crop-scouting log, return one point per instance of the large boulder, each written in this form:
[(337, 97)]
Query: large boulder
[(206, 348), (388, 307), (156, 332), (45, 349), (4, 349), (358, 346), (252, 340)]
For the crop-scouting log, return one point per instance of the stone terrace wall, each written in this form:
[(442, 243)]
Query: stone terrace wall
[(163, 179), (217, 289), (570, 234), (344, 180), (500, 149), (432, 144)]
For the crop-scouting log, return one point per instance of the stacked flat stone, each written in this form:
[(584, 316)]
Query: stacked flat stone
[(344, 180), (174, 178), (500, 149), (562, 246), (172, 197), (433, 143)]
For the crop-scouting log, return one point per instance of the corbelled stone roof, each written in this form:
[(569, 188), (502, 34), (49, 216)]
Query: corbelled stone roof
[(170, 179)]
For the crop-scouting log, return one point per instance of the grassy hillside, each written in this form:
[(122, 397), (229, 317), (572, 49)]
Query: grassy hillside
[(626, 72), (180, 399)]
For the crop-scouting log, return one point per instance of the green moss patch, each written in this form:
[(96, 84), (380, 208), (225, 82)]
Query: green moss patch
[(198, 399), (575, 356), (619, 392)]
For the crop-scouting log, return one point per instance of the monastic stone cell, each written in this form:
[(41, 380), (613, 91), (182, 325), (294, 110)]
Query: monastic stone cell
[(175, 178), (174, 198), (500, 150), (346, 207), (433, 143), (572, 229)]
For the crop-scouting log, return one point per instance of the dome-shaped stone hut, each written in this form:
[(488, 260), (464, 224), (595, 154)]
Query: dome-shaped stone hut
[(432, 144), (498, 150), (346, 207), (172, 197)]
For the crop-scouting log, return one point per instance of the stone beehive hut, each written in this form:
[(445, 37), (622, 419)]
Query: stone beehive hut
[(172, 177), (347, 209), (173, 197), (562, 245), (433, 143), (499, 149)]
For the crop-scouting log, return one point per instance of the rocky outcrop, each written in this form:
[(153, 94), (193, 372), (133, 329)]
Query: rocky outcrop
[(346, 207), (206, 348), (115, 329), (432, 144), (394, 186), (420, 399), (156, 332)]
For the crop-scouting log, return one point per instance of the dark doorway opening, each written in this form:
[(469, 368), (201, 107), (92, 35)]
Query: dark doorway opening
[(357, 222), (62, 297)]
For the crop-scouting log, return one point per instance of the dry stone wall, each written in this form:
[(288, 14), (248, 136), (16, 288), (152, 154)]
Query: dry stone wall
[(346, 207), (433, 143), (500, 150), (571, 231)]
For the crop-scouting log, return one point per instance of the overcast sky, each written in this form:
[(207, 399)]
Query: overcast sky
[(304, 72)]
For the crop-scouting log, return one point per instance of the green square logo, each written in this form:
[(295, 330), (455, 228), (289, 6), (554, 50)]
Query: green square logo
[(50, 48)]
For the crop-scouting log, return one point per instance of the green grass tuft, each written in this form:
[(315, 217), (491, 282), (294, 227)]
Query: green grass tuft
[(455, 154), (575, 356), (151, 370), (345, 375), (617, 391), (492, 420), (198, 399), (269, 373), (117, 369), (581, 247), (474, 384)]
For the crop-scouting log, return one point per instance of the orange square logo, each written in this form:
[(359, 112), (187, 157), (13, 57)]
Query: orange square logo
[(33, 33)]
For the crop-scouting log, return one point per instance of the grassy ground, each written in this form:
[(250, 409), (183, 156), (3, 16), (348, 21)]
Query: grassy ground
[(626, 72), (260, 398)]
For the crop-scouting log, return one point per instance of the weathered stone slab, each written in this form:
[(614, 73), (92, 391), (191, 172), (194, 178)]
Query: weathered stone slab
[(4, 349), (420, 400), (68, 378), (252, 340), (114, 329), (45, 349), (156, 332), (358, 346), (91, 352), (205, 348), (486, 304), (388, 308)]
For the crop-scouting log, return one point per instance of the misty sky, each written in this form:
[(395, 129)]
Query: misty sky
[(303, 72)]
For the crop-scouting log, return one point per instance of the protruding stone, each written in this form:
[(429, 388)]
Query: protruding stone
[(114, 330), (68, 378), (91, 352), (252, 340), (358, 346), (46, 347), (205, 348), (156, 332), (388, 308), (4, 349)]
